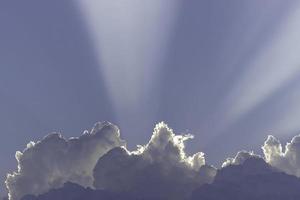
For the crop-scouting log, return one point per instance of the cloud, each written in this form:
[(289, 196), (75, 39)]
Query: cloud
[(55, 160), (251, 179), (159, 170), (287, 160), (240, 158), (72, 191), (99, 159)]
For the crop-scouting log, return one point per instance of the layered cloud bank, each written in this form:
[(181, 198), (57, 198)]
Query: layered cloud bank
[(99, 159), (253, 179), (161, 169)]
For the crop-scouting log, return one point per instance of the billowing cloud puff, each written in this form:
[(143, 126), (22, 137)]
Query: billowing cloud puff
[(55, 160), (99, 158), (159, 170), (287, 160), (240, 158)]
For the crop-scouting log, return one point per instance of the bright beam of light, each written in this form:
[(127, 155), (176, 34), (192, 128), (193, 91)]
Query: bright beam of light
[(288, 122), (273, 68), (130, 37)]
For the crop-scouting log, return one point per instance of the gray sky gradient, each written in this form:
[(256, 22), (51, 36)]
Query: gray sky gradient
[(51, 77)]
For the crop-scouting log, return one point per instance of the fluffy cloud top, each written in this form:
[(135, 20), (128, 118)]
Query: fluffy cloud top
[(287, 160), (99, 158), (159, 170), (55, 160), (240, 158)]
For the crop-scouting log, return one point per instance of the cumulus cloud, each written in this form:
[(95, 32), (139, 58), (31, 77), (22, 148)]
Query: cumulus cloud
[(287, 160), (159, 170), (99, 159), (55, 160), (240, 158), (250, 178)]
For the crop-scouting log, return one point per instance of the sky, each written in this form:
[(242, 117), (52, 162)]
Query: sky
[(226, 72)]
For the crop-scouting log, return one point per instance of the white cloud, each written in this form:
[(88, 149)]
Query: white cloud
[(159, 170), (240, 158), (284, 159), (287, 160), (54, 160)]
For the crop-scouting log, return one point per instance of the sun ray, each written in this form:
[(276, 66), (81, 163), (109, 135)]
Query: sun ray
[(130, 38)]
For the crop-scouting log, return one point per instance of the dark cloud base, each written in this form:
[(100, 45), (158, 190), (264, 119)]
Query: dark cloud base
[(72, 191), (252, 180), (97, 165)]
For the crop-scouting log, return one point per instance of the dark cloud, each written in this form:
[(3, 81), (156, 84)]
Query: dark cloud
[(71, 191), (254, 179)]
